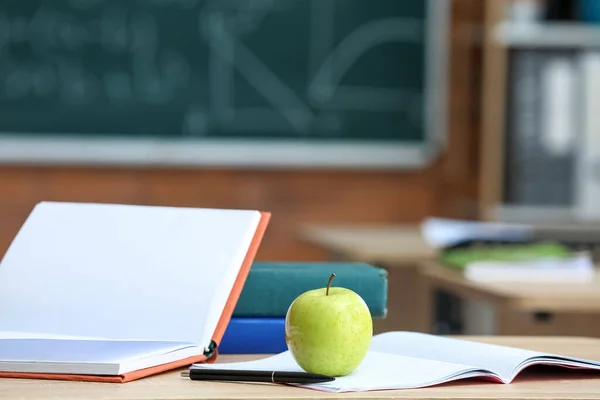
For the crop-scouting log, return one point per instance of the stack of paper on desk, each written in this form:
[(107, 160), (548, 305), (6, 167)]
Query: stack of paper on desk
[(575, 268), (114, 292), (406, 360)]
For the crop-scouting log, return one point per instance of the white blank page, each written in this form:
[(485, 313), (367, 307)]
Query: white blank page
[(123, 272), (81, 351), (499, 359), (377, 371)]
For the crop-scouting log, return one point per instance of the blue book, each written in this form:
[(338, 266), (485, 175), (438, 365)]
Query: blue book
[(254, 336)]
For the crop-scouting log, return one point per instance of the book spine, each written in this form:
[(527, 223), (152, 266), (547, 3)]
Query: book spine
[(523, 124), (254, 336), (558, 130), (542, 129), (269, 292), (588, 167)]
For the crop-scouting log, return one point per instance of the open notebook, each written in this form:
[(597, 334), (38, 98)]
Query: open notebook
[(407, 360), (112, 293)]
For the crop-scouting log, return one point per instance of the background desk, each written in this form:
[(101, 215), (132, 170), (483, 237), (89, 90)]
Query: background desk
[(564, 384), (401, 251), (520, 308)]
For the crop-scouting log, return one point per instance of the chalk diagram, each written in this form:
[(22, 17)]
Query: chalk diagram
[(156, 75), (224, 33)]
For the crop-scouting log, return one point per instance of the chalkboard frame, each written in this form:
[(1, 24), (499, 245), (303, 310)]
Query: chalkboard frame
[(22, 148)]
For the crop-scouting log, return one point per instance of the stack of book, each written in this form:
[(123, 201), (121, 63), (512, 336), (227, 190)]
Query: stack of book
[(492, 252), (551, 150), (257, 325), (115, 293)]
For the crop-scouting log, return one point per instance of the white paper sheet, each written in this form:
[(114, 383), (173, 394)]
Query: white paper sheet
[(377, 371), (406, 360), (442, 232), (123, 272), (82, 351), (500, 359)]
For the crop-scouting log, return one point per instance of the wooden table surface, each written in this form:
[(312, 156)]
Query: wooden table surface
[(552, 297), (392, 245), (565, 384)]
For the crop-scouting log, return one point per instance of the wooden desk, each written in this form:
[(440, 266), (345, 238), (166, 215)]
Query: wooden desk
[(565, 384), (521, 308), (398, 249), (393, 245)]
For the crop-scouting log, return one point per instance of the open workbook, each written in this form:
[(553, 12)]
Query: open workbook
[(408, 360), (113, 293)]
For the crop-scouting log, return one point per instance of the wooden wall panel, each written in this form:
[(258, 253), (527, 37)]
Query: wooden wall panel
[(458, 167), (294, 197)]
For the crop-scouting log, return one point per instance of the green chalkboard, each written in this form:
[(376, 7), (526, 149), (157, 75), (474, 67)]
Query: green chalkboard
[(306, 70)]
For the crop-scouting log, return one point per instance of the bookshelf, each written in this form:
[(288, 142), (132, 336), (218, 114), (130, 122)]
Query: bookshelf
[(492, 124), (540, 78), (547, 35)]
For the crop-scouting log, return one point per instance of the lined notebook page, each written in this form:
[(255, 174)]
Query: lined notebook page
[(377, 371), (501, 360)]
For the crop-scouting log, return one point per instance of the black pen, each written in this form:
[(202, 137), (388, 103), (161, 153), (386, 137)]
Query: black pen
[(209, 374)]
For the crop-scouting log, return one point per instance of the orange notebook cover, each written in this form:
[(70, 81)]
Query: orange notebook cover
[(217, 336)]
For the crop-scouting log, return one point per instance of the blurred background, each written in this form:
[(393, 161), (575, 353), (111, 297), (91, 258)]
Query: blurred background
[(352, 121)]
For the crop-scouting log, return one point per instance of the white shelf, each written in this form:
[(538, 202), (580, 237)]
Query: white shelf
[(533, 214), (548, 35)]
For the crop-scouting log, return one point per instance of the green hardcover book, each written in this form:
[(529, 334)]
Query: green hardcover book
[(272, 286), (461, 257)]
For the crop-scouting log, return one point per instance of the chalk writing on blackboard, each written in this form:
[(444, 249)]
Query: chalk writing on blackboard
[(280, 68)]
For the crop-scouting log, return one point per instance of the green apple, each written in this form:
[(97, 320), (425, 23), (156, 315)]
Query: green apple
[(328, 331)]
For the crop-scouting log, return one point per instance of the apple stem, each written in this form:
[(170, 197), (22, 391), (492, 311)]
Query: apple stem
[(329, 284)]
